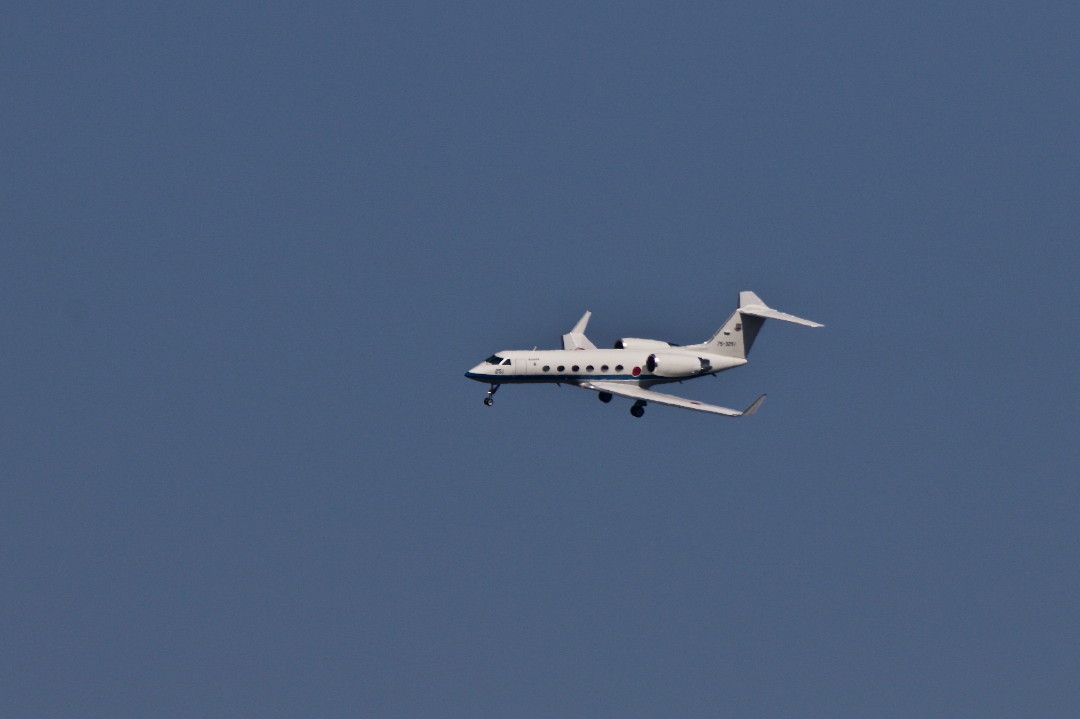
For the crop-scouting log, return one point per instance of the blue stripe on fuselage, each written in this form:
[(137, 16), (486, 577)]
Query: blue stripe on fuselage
[(555, 378)]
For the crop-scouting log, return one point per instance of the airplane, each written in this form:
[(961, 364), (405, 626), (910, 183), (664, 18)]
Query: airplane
[(635, 365)]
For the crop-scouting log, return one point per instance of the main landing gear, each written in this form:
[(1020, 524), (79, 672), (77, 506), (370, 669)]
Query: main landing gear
[(494, 388), (637, 410)]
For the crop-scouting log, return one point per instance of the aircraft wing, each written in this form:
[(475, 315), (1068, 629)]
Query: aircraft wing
[(633, 391)]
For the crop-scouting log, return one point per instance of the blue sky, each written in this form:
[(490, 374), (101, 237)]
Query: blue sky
[(248, 253)]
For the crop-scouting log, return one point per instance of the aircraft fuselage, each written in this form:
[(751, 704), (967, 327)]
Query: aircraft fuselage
[(573, 366)]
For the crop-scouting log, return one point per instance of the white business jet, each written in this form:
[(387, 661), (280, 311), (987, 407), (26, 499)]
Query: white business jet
[(636, 364)]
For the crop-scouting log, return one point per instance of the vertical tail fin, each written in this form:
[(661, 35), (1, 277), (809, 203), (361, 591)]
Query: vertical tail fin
[(736, 337)]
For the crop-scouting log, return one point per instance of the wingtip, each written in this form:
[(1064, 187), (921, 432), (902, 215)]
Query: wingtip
[(754, 407)]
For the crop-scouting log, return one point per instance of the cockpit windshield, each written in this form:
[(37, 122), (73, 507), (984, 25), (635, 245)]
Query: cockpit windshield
[(494, 359)]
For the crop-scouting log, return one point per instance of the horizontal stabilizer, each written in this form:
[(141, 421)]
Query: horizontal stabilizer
[(751, 304), (633, 391)]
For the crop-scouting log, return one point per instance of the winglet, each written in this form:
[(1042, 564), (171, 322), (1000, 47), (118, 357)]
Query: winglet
[(575, 339), (754, 407), (579, 328)]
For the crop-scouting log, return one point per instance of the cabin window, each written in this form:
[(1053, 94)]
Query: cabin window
[(618, 368), (590, 368), (547, 368), (603, 368), (575, 368), (561, 368)]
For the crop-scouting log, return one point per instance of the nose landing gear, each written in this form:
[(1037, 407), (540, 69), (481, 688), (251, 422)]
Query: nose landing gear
[(488, 400)]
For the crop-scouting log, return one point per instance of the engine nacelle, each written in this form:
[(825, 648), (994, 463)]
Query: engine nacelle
[(676, 365), (633, 343)]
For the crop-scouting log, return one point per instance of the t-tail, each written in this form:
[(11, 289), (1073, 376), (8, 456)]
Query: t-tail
[(737, 335)]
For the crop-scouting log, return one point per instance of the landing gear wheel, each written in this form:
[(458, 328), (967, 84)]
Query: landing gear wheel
[(638, 409), (605, 397), (489, 401)]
